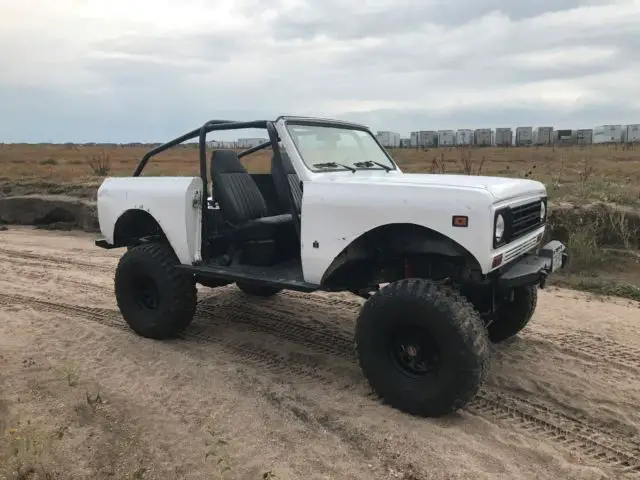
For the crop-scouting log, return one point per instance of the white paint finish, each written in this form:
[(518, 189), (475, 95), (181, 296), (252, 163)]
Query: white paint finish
[(339, 207), (168, 199)]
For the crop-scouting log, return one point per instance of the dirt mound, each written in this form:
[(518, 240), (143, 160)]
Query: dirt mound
[(609, 224), (50, 211)]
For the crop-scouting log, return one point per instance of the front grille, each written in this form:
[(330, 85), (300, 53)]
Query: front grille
[(525, 219)]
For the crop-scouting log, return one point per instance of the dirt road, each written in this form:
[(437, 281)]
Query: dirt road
[(271, 389)]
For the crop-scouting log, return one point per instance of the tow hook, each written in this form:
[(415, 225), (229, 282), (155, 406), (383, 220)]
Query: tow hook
[(543, 280)]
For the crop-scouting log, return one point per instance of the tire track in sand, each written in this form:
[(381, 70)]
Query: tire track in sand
[(13, 255), (583, 343), (604, 447)]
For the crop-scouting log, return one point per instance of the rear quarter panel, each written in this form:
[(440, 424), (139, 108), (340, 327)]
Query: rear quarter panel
[(169, 200), (334, 215)]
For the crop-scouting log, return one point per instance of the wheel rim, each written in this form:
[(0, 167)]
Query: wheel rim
[(413, 351), (146, 293)]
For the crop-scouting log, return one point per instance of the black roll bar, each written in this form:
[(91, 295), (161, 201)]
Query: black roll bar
[(171, 144)]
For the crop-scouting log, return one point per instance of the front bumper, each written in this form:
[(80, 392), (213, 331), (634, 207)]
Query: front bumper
[(533, 269)]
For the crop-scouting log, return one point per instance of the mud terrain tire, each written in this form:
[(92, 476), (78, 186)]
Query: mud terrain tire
[(449, 326), (512, 317), (257, 289), (155, 298)]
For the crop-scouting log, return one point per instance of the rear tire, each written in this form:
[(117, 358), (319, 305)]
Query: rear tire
[(155, 298), (258, 290), (423, 349), (514, 316)]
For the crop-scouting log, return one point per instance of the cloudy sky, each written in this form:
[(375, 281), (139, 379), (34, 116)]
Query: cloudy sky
[(148, 70)]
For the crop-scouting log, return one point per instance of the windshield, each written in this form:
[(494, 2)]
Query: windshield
[(335, 148)]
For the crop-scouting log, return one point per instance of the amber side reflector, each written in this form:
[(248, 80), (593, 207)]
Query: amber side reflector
[(497, 261), (460, 221)]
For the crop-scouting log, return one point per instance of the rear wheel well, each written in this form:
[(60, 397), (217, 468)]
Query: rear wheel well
[(134, 225), (399, 250)]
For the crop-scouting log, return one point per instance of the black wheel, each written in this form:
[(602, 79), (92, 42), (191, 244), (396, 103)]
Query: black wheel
[(154, 297), (423, 349), (513, 316), (257, 289)]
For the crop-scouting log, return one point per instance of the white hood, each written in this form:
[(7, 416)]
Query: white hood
[(500, 188)]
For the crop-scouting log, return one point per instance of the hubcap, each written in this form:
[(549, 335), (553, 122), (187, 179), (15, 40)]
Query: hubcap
[(413, 351), (146, 293)]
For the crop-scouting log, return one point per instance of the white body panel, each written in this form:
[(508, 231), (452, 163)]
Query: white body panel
[(543, 136), (524, 136), (483, 136), (353, 204), (632, 133), (446, 138), (169, 200), (504, 137), (464, 137), (607, 134)]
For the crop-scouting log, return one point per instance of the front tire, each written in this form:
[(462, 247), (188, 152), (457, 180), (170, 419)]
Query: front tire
[(156, 299), (423, 349), (514, 316)]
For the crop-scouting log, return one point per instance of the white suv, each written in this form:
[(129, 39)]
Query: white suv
[(460, 257)]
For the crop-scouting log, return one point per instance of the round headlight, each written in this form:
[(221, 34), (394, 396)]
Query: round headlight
[(499, 233), (543, 211)]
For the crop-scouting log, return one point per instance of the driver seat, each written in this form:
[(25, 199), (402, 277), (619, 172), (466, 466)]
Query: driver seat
[(242, 205)]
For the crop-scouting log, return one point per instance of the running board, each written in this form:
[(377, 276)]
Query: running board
[(287, 277)]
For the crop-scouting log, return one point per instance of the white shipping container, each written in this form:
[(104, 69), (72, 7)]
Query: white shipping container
[(524, 136), (428, 138), (504, 137), (424, 138), (632, 133), (543, 136), (250, 142), (413, 139), (464, 136), (584, 136), (564, 135), (446, 138), (388, 139), (483, 136), (607, 134)]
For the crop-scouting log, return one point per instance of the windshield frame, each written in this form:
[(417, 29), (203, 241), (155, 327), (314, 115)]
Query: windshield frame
[(390, 163)]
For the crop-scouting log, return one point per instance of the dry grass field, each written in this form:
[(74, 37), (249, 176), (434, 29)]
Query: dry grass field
[(581, 174), (604, 242)]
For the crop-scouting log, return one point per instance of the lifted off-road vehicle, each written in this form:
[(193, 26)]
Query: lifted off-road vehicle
[(459, 257)]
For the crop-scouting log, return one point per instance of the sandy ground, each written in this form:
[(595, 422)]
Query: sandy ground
[(271, 389)]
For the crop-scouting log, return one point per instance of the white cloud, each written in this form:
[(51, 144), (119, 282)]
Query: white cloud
[(127, 70)]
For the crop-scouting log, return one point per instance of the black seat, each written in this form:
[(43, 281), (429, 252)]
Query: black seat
[(242, 205), (292, 182)]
